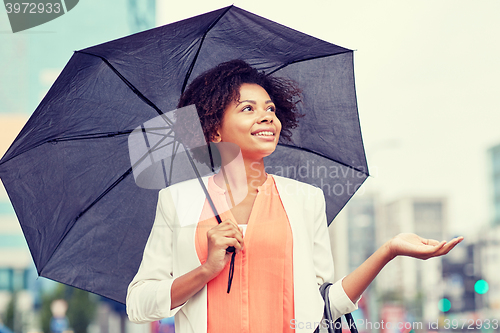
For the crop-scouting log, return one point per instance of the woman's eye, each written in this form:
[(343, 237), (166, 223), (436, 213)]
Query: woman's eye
[(271, 109), (247, 108)]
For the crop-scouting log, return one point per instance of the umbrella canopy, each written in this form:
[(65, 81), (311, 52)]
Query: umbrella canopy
[(69, 175)]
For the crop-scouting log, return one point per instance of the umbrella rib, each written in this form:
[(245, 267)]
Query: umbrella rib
[(156, 148), (307, 59), (90, 136), (174, 152), (71, 138), (109, 135), (324, 156), (106, 135), (127, 82), (145, 136), (209, 199), (190, 69)]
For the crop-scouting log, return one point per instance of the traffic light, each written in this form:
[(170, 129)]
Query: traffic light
[(444, 305), (481, 287)]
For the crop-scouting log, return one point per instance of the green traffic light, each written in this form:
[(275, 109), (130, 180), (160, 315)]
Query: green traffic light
[(444, 305), (481, 287)]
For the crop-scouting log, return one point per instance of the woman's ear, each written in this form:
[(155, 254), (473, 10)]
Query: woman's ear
[(216, 137)]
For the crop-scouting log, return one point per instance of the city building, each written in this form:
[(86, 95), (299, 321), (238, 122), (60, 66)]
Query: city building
[(494, 153), (488, 245), (460, 272), (487, 264), (353, 240), (361, 216)]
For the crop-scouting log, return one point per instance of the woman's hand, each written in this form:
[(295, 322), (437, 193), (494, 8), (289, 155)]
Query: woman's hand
[(409, 245), (412, 245), (219, 239)]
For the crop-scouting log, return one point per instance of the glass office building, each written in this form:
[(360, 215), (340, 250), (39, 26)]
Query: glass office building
[(495, 175)]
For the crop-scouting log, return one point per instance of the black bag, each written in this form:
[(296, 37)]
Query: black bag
[(334, 326)]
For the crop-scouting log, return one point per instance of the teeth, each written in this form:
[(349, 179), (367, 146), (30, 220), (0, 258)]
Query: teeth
[(263, 133)]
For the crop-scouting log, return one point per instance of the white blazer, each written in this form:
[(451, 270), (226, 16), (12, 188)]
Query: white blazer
[(170, 252)]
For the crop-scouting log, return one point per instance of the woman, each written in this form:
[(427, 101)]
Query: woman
[(284, 254)]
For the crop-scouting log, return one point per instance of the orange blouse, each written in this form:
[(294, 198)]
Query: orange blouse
[(261, 296)]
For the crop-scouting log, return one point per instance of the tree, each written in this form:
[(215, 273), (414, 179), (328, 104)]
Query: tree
[(81, 310), (9, 316)]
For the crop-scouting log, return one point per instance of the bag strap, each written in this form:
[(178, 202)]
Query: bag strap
[(334, 326), (350, 322)]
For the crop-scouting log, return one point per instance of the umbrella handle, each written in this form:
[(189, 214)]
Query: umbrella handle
[(231, 272)]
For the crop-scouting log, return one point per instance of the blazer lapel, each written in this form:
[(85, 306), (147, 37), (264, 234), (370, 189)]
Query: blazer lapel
[(189, 200), (308, 301)]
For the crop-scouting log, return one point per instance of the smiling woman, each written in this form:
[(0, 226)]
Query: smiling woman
[(284, 254)]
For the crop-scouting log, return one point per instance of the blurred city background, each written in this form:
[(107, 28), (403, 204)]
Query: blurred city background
[(427, 84)]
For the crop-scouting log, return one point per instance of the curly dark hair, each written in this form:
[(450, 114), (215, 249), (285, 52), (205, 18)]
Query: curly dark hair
[(214, 89)]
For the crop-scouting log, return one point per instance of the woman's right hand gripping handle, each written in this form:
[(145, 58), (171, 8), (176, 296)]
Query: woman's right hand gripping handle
[(219, 238)]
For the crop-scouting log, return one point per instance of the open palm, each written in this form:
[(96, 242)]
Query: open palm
[(411, 245)]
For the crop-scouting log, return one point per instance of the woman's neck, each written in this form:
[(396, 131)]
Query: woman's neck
[(241, 177)]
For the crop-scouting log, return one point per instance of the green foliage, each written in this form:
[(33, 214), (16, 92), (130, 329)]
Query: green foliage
[(81, 310), (394, 297), (9, 313)]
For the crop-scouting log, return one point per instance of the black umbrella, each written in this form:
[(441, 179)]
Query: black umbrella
[(69, 175)]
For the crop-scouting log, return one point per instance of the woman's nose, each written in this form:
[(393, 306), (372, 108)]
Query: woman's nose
[(265, 116)]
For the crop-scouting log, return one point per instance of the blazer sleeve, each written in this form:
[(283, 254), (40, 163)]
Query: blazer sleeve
[(148, 295), (340, 303)]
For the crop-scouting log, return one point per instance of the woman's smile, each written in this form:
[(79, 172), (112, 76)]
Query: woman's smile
[(265, 134)]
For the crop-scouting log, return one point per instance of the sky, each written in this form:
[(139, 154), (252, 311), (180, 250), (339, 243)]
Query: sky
[(427, 85), (427, 81)]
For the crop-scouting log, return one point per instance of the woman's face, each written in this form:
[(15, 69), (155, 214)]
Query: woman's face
[(251, 123)]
